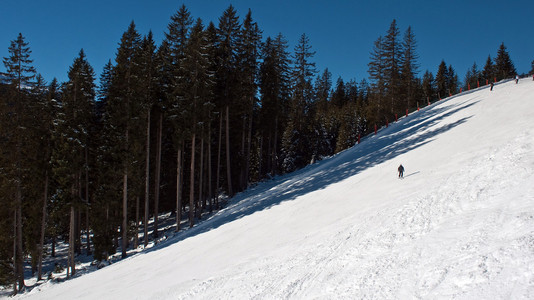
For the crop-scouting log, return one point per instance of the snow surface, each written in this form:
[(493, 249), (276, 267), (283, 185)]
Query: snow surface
[(460, 225)]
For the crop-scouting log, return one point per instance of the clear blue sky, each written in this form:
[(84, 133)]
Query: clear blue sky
[(341, 32)]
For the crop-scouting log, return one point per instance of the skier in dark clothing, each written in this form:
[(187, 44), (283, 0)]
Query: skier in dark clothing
[(491, 86), (401, 171)]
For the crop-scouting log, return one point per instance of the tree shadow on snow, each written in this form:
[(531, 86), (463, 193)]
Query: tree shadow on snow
[(409, 133)]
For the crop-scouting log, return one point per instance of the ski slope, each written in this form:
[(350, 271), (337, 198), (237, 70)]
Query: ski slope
[(459, 225)]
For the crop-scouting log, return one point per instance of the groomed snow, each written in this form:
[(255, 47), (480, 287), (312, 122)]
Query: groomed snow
[(460, 224)]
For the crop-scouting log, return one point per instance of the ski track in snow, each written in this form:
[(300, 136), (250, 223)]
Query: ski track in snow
[(459, 226)]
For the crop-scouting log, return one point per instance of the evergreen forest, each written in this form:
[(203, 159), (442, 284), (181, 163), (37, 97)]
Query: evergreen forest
[(182, 126)]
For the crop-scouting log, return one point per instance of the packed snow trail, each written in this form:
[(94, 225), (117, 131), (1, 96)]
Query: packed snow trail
[(459, 225)]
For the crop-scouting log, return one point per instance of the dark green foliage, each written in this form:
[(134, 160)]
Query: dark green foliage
[(504, 67), (296, 139), (233, 110), (489, 70)]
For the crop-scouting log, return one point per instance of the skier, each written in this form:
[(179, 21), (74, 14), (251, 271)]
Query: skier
[(491, 86), (516, 79), (401, 171)]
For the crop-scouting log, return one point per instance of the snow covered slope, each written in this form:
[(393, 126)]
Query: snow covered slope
[(459, 225)]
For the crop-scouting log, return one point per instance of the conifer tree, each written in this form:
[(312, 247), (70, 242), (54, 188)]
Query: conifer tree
[(106, 193), (504, 67), (148, 78), (442, 80), (248, 53), (452, 81), (392, 53), (409, 68), (274, 91), (323, 120), (172, 55), (489, 70), (378, 82), (428, 86), (124, 109), (296, 143), (228, 31), (472, 76), (16, 111), (197, 96)]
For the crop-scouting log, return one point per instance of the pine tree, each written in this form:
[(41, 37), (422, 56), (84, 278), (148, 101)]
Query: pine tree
[(274, 91), (428, 86), (125, 105), (70, 156), (378, 82), (106, 194), (472, 76), (228, 31), (441, 80), (504, 67), (409, 68), (296, 144), (15, 144), (248, 53), (323, 121), (488, 72), (195, 91), (452, 81), (172, 54), (392, 53), (148, 81)]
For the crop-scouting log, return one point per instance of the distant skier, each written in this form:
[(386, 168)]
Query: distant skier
[(516, 79), (401, 171), (491, 86)]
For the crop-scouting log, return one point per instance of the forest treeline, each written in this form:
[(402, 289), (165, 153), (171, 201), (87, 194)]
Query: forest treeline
[(181, 126)]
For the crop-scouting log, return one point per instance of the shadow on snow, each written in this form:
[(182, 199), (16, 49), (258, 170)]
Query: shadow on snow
[(406, 135)]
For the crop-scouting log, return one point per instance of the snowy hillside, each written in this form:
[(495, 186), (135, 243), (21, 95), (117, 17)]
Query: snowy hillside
[(459, 225)]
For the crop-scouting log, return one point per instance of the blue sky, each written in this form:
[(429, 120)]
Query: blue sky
[(341, 32)]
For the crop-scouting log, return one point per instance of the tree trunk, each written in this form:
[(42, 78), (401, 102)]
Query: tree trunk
[(219, 163), (192, 183), (124, 227), (228, 166), (242, 154), (15, 256), (249, 147), (72, 264), (179, 168), (275, 154), (201, 179), (43, 229), (147, 178), (87, 201), (158, 176), (210, 190), (136, 236)]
